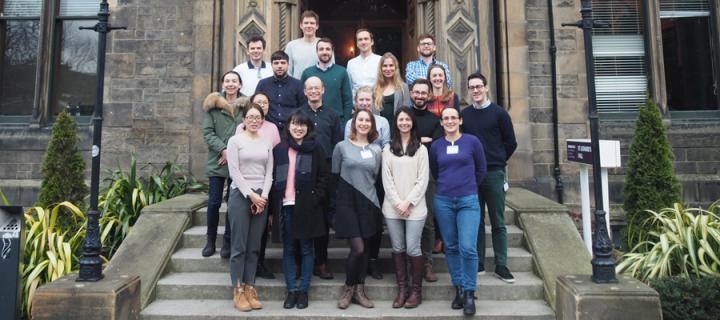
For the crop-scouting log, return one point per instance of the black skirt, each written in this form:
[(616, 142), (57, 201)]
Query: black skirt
[(355, 214)]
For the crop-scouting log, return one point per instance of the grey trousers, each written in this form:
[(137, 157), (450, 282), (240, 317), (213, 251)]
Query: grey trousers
[(245, 236), (405, 235), (428, 233)]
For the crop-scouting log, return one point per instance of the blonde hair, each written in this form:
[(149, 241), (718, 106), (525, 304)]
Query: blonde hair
[(382, 82)]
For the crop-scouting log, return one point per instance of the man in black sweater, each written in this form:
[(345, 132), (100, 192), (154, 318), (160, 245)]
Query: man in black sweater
[(428, 129), (492, 125)]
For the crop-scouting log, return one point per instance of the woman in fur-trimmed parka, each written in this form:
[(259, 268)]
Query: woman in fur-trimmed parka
[(223, 113)]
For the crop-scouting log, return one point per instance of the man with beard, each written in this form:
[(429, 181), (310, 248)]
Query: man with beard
[(418, 69), (363, 68), (302, 50), (327, 134), (285, 92), (428, 129), (338, 93), (255, 69)]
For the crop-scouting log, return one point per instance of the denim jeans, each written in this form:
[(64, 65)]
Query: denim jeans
[(289, 247), (215, 199), (459, 221)]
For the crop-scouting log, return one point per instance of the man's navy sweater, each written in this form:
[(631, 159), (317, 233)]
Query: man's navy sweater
[(493, 126)]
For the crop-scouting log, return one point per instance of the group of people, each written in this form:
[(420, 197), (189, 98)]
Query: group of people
[(305, 145)]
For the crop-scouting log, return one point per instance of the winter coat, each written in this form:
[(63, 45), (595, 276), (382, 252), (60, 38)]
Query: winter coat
[(221, 119), (311, 177)]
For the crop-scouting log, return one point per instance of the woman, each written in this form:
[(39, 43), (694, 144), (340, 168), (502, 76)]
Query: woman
[(222, 115), (300, 180), (268, 130), (405, 178), (458, 164), (442, 97), (250, 162), (391, 92), (355, 166)]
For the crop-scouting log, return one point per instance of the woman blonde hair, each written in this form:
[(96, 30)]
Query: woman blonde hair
[(382, 82)]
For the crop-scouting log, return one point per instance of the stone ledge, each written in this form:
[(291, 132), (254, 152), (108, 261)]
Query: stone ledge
[(184, 204), (524, 201)]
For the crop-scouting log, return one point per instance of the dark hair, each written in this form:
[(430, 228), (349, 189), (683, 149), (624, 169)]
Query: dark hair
[(299, 118), (396, 142), (372, 37), (425, 36), (456, 110), (279, 55), (231, 72), (251, 106), (478, 75), (256, 39), (421, 81), (310, 14), (325, 39), (259, 93), (372, 135)]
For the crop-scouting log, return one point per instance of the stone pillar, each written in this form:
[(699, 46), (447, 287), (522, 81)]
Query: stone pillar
[(578, 298)]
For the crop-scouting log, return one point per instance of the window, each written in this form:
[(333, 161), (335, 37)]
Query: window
[(688, 50), (619, 53), (24, 47)]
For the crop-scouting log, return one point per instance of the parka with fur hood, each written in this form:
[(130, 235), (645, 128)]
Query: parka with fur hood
[(221, 119)]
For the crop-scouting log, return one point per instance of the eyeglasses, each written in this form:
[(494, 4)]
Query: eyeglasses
[(253, 118), (477, 87), (448, 118), (426, 44)]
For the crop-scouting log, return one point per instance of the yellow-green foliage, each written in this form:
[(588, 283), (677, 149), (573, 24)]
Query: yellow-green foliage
[(686, 243)]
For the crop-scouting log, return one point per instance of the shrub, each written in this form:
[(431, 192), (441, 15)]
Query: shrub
[(689, 297), (686, 243), (650, 182), (63, 168)]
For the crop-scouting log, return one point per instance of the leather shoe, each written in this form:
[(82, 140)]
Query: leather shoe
[(302, 300), (290, 300), (263, 272), (429, 274), (322, 271)]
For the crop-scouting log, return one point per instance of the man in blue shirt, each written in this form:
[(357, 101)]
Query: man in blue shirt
[(492, 125), (418, 68), (286, 93)]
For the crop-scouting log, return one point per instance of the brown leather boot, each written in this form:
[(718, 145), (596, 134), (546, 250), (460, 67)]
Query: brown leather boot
[(400, 260), (438, 247), (346, 296), (360, 297), (429, 274), (322, 271), (252, 297), (240, 300), (415, 298)]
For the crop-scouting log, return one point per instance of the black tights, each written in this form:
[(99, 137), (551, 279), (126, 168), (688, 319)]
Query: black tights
[(356, 265)]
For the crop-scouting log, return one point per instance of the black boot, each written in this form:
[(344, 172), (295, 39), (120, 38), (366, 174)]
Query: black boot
[(469, 303), (209, 246), (457, 303), (225, 250), (373, 270)]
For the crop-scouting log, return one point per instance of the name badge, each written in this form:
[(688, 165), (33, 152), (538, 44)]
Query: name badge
[(366, 154), (453, 149)]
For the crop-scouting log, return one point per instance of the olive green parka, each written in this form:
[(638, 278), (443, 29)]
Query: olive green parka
[(221, 120)]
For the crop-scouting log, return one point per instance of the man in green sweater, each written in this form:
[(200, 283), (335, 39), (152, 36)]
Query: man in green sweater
[(338, 91)]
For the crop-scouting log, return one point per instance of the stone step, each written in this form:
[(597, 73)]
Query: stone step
[(199, 217), (190, 260), (199, 285), (273, 310), (195, 237)]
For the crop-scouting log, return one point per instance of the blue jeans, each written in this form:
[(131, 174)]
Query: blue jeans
[(289, 247), (459, 221), (215, 198)]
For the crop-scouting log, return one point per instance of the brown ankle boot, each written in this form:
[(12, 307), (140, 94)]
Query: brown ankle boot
[(429, 274), (252, 297), (240, 300), (322, 271), (346, 296), (400, 261), (360, 297), (415, 298)]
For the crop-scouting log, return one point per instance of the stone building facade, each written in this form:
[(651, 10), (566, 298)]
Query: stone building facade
[(173, 52)]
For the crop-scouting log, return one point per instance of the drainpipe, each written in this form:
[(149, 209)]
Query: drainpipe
[(553, 76), (476, 10), (220, 44)]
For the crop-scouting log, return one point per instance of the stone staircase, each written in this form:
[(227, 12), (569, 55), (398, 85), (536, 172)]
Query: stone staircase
[(195, 287)]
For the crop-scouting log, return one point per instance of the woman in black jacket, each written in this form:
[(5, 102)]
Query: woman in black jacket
[(300, 180)]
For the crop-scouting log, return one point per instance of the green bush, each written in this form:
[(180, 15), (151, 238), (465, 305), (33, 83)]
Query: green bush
[(650, 182), (63, 169), (685, 298)]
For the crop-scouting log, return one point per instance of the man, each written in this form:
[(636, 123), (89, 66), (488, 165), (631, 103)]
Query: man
[(327, 134), (286, 93), (255, 69), (428, 129), (338, 94), (363, 69), (302, 50), (493, 126), (417, 69)]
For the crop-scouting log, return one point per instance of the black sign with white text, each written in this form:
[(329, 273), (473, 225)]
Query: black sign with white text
[(579, 152)]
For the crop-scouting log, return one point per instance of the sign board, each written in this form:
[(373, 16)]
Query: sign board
[(580, 150)]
